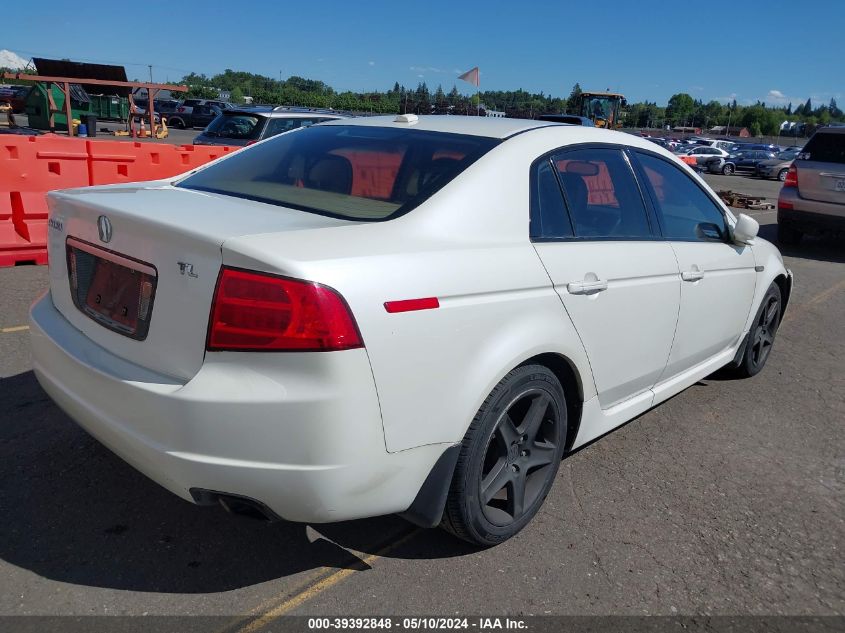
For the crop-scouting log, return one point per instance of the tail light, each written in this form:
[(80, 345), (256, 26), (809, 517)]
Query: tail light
[(260, 312), (791, 177), (180, 109)]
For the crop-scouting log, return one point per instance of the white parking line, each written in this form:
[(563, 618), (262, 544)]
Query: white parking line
[(17, 328)]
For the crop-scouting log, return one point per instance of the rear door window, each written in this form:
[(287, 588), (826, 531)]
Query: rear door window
[(236, 126), (280, 125), (825, 147), (549, 217), (601, 193)]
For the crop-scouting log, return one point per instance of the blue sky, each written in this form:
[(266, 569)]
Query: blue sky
[(777, 51)]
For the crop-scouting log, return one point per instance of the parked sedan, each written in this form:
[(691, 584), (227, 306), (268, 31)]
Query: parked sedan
[(415, 315), (745, 162), (776, 167), (703, 154)]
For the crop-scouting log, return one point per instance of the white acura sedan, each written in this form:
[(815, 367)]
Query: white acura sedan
[(396, 315)]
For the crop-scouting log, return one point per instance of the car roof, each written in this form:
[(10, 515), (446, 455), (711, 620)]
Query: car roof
[(490, 127), (270, 113)]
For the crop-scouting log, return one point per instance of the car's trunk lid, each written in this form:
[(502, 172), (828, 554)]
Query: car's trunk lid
[(824, 182), (821, 167), (163, 255)]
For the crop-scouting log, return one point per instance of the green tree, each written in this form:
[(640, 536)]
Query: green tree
[(755, 129), (236, 95), (573, 102), (680, 109), (808, 107)]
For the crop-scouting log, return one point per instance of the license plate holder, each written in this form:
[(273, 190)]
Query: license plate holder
[(114, 290)]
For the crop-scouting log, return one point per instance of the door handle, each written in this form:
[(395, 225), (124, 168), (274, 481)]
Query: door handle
[(692, 275), (586, 287)]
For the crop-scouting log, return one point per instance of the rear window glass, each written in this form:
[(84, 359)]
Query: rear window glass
[(350, 172), (240, 126), (826, 148)]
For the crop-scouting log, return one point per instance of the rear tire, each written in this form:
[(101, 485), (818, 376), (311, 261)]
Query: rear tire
[(761, 338), (508, 458), (789, 236)]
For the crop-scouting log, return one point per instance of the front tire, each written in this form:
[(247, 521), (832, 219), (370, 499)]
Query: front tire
[(728, 170), (782, 174), (509, 458), (761, 338)]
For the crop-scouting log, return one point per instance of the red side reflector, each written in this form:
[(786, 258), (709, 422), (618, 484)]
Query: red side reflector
[(409, 305), (782, 204)]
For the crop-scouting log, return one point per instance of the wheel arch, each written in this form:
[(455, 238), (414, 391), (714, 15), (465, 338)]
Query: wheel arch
[(784, 282), (565, 371)]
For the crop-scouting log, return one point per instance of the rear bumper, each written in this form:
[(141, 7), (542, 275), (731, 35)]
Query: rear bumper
[(809, 215), (301, 433)]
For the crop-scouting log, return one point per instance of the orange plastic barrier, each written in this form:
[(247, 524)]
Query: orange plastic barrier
[(30, 166), (120, 161)]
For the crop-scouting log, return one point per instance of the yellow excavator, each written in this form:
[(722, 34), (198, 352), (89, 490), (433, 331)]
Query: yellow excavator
[(602, 108)]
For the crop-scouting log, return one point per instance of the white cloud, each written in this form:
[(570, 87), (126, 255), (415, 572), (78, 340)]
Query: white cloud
[(8, 59), (371, 63), (432, 69)]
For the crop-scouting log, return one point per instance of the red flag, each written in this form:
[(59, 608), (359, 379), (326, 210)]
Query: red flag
[(471, 76)]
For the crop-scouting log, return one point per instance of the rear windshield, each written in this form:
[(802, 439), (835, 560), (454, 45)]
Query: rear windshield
[(241, 126), (349, 172), (825, 147)]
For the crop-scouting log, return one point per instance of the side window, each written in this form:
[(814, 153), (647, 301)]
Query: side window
[(548, 213), (686, 212), (277, 126), (602, 194)]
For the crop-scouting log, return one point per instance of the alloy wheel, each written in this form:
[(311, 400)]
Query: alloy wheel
[(764, 333), (520, 456)]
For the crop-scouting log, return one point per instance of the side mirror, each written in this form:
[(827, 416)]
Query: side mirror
[(746, 229), (708, 231)]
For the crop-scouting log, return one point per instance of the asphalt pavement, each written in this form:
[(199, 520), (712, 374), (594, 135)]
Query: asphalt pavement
[(725, 500)]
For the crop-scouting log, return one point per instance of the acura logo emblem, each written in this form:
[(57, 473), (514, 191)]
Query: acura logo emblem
[(104, 228)]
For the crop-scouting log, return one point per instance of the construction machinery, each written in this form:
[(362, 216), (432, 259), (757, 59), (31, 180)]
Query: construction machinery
[(602, 108)]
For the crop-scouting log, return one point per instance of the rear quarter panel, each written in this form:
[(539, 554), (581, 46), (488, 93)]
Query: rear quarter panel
[(469, 247)]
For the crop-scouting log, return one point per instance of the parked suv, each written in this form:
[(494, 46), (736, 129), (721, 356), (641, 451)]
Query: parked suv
[(245, 126), (813, 195)]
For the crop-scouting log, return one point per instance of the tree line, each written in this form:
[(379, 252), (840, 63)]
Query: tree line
[(681, 110), (684, 111)]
